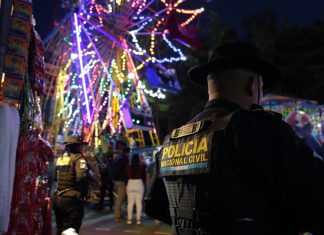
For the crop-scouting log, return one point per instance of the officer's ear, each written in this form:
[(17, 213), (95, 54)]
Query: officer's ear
[(250, 85)]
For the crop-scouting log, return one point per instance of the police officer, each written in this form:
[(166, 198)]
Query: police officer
[(235, 168), (72, 178)]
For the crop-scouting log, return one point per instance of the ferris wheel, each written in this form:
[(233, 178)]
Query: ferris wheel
[(106, 57)]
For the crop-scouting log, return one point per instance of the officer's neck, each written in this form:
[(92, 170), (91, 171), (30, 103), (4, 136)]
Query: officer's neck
[(244, 102)]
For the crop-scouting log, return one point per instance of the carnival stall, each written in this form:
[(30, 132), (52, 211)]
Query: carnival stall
[(24, 199), (305, 116)]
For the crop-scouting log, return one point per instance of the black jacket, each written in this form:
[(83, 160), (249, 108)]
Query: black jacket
[(119, 166), (264, 179)]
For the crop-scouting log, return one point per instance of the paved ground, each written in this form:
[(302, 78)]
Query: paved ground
[(100, 223)]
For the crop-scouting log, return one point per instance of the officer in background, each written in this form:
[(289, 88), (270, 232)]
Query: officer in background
[(235, 168), (72, 176)]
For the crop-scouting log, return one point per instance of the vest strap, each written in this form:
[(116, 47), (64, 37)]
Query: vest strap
[(189, 231), (190, 214), (198, 218), (63, 191)]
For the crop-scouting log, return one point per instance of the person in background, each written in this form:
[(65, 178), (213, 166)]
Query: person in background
[(135, 188), (119, 178), (311, 141), (104, 161), (59, 151), (72, 176), (143, 161), (150, 172), (69, 231), (110, 182)]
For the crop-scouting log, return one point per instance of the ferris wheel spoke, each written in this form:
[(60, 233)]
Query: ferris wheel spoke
[(102, 62), (105, 33), (78, 39), (129, 10), (146, 7), (112, 83), (150, 17), (136, 79), (150, 33), (119, 43), (114, 18), (179, 2), (56, 29)]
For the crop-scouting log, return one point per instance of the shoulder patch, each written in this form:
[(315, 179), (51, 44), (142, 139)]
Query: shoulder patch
[(186, 156), (63, 161)]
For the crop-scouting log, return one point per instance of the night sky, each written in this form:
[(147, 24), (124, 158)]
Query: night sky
[(293, 12)]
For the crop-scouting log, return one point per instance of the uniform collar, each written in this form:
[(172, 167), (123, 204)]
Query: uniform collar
[(222, 103)]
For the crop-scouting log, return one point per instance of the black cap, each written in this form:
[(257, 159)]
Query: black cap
[(74, 139), (239, 55)]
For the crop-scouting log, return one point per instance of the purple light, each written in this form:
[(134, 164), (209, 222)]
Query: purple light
[(112, 38), (109, 36), (77, 29), (112, 82)]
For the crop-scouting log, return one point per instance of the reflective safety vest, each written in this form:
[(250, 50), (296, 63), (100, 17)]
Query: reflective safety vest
[(66, 174), (186, 162)]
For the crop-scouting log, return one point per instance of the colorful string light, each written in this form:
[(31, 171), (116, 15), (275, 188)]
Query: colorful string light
[(103, 59), (77, 32)]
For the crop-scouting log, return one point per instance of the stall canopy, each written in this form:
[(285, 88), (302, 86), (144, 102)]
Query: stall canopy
[(304, 116)]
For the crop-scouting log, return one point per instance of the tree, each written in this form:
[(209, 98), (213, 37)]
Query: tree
[(261, 28), (298, 50)]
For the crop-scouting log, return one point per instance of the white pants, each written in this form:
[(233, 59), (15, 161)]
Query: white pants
[(135, 191)]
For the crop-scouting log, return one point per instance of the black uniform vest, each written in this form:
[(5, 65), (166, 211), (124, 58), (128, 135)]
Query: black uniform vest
[(66, 174), (186, 163)]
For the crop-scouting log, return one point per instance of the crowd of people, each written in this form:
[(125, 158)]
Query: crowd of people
[(117, 174)]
